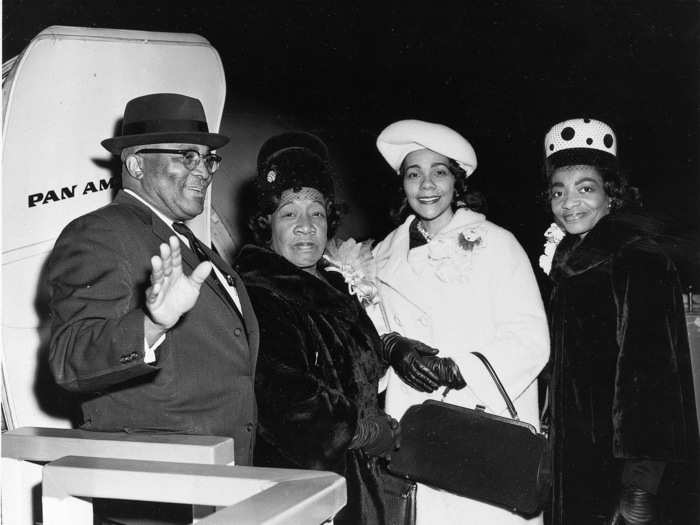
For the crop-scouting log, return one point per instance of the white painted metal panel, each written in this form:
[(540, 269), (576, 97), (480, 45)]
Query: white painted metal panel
[(25, 449), (251, 495)]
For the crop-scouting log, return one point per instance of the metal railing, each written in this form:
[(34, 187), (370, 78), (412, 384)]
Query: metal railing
[(196, 470)]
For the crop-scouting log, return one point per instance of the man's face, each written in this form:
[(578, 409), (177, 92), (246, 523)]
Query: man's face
[(169, 186)]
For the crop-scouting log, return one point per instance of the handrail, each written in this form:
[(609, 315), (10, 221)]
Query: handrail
[(693, 325), (49, 444), (25, 449), (251, 495)]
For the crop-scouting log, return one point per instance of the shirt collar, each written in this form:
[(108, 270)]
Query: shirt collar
[(158, 214)]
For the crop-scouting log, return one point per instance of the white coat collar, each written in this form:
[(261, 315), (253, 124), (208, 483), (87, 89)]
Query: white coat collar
[(393, 251), (392, 254)]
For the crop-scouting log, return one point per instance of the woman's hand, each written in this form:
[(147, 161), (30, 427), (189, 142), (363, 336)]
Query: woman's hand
[(636, 507), (408, 358), (447, 372), (377, 435)]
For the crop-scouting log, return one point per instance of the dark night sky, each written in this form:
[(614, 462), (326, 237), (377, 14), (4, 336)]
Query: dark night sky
[(501, 74)]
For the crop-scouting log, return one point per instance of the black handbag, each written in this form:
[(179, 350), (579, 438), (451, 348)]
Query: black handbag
[(399, 497), (470, 453)]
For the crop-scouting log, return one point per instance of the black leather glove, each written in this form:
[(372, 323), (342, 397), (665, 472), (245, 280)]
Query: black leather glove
[(447, 372), (636, 507), (407, 358), (378, 435)]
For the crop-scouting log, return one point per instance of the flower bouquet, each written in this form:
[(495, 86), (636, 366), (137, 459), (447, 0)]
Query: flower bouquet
[(355, 262), (553, 237)]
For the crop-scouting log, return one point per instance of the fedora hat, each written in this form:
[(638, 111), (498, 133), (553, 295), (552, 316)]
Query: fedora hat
[(163, 117)]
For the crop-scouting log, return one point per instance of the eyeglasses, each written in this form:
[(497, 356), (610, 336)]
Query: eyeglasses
[(190, 158)]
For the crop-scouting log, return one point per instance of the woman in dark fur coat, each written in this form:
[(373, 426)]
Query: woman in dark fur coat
[(320, 357), (622, 409)]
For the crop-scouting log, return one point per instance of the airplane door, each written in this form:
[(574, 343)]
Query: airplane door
[(64, 94)]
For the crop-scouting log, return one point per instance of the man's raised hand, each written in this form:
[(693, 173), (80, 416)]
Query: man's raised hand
[(172, 293)]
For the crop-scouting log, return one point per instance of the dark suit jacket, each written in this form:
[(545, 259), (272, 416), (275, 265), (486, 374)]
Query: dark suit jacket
[(202, 382)]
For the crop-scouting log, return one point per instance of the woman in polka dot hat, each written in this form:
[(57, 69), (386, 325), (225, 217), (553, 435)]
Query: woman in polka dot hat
[(460, 283), (621, 400)]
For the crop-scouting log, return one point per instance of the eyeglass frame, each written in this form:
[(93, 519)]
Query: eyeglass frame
[(201, 158)]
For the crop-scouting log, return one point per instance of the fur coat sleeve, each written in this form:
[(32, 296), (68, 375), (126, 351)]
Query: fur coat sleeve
[(652, 357)]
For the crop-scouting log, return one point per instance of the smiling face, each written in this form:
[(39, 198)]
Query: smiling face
[(429, 186), (169, 186), (578, 198), (299, 227)]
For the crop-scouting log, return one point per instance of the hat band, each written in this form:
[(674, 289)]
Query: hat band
[(165, 126)]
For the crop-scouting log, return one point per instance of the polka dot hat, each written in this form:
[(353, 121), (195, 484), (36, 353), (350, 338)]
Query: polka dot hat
[(580, 133)]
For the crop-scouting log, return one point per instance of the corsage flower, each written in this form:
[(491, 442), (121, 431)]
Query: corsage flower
[(355, 262), (469, 239), (451, 256), (553, 237)]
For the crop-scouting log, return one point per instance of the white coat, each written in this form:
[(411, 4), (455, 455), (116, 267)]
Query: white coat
[(471, 288)]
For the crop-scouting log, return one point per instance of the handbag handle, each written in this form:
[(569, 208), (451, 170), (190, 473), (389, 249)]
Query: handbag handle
[(501, 389)]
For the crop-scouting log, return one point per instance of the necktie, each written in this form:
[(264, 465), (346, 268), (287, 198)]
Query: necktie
[(204, 253)]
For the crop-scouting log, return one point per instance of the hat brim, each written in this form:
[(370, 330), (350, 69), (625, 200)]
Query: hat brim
[(580, 156), (399, 139), (115, 145)]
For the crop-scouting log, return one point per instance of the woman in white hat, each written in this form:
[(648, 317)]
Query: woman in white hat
[(459, 283), (622, 410)]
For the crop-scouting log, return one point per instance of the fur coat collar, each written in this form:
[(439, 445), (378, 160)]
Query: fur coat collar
[(270, 271), (612, 234)]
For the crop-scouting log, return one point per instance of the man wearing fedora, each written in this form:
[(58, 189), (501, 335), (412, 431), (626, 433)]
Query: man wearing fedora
[(148, 321)]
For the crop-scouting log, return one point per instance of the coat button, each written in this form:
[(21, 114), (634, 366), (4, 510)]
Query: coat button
[(250, 427), (237, 332)]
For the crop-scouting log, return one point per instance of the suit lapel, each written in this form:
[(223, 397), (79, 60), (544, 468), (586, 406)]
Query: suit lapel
[(250, 321), (212, 280), (163, 232)]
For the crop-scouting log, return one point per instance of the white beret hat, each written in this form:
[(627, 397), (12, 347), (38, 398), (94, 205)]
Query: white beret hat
[(401, 138), (585, 133)]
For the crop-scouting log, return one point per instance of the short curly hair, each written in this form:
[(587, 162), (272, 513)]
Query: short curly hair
[(463, 197), (615, 183), (261, 227)]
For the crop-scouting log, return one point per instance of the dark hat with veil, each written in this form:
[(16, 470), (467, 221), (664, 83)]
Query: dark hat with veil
[(293, 160)]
